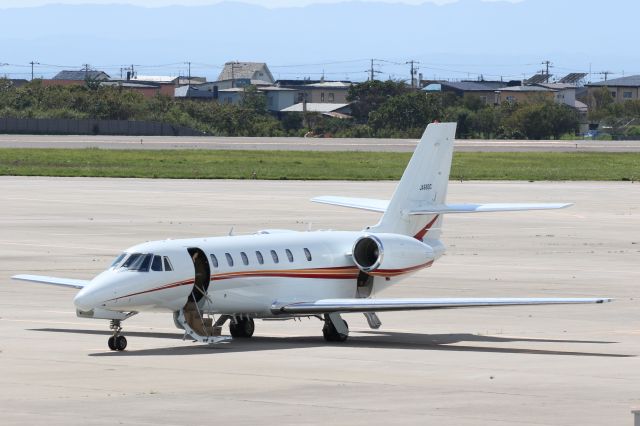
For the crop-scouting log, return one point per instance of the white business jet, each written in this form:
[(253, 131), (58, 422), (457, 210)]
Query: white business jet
[(279, 274)]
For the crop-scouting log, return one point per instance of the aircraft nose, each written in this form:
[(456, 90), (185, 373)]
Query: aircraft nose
[(87, 299)]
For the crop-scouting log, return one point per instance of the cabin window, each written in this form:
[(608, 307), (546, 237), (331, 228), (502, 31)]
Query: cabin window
[(260, 258), (289, 255), (307, 254), (274, 255), (229, 259), (156, 265), (117, 260), (245, 259), (167, 264), (214, 260)]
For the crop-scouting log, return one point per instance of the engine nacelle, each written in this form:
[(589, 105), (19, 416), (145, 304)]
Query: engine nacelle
[(391, 254)]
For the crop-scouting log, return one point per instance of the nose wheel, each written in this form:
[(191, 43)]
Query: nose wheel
[(117, 342)]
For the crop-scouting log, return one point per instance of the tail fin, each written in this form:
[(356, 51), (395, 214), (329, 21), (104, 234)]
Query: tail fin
[(423, 184)]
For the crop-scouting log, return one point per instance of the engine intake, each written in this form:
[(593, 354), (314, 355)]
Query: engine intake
[(392, 254)]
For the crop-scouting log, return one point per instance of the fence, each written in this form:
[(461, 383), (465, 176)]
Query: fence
[(61, 126)]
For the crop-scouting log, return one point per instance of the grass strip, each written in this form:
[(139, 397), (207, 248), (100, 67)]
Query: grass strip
[(196, 164)]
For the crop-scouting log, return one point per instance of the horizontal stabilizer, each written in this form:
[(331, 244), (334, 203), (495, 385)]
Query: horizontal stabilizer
[(380, 305), (486, 208), (354, 203), (380, 206), (63, 282)]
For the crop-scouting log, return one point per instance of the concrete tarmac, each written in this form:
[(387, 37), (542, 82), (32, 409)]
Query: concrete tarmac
[(304, 144), (538, 365)]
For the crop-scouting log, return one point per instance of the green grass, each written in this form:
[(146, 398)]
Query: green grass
[(192, 164)]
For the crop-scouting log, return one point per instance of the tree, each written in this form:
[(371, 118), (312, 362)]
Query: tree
[(410, 112), (369, 96), (253, 100), (545, 120)]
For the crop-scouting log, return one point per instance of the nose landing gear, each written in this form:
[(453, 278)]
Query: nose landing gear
[(117, 342)]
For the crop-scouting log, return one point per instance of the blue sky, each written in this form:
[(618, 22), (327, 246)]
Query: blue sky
[(464, 39), (160, 3)]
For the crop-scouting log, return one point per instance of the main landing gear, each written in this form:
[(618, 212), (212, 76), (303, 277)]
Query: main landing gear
[(117, 342), (335, 328), (242, 327)]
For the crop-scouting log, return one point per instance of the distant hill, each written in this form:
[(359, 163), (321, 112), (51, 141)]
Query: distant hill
[(466, 36)]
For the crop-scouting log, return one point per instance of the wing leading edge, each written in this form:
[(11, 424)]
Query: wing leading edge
[(62, 282), (326, 306)]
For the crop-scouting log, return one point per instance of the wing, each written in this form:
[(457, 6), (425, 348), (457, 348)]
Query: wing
[(376, 205), (63, 282), (380, 305)]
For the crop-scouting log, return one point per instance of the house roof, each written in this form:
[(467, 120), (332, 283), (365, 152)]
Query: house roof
[(469, 86), (557, 86), (526, 89), (81, 75), (315, 107), (192, 92), (630, 81), (329, 85), (249, 70), (155, 78), (128, 84)]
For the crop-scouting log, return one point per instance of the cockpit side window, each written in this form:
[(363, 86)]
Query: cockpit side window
[(117, 260), (156, 265), (167, 264)]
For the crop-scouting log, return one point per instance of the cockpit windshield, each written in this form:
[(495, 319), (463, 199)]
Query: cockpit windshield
[(139, 262)]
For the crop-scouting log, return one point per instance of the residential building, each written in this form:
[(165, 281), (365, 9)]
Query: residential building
[(257, 73), (565, 93), (82, 75), (318, 91), (621, 89), (75, 78), (148, 90), (486, 91), (524, 94)]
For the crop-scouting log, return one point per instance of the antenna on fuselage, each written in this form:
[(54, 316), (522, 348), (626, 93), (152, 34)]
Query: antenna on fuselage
[(231, 232), (309, 227)]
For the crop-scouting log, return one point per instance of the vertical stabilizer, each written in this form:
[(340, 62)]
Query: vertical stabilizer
[(423, 184)]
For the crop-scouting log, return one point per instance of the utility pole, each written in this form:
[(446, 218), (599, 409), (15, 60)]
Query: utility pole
[(413, 71), (547, 63), (373, 71), (189, 63), (32, 64), (606, 74), (86, 70)]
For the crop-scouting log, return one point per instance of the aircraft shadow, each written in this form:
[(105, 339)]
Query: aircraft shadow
[(359, 339)]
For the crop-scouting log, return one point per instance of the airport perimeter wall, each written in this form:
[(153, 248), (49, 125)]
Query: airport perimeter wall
[(62, 126)]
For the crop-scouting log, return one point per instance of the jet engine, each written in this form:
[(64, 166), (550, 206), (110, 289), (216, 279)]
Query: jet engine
[(390, 254)]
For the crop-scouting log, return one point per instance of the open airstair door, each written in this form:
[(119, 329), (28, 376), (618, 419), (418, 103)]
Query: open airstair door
[(202, 274), (191, 317)]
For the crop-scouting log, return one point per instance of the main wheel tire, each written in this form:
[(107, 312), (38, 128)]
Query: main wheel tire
[(242, 328), (112, 343), (121, 343), (330, 333), (248, 327)]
